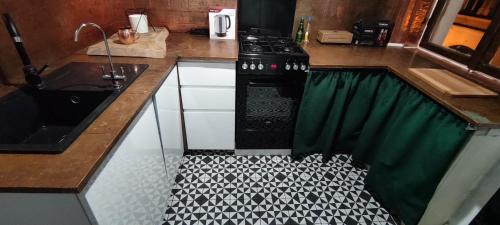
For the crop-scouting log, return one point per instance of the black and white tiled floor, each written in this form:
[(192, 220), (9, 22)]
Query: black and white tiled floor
[(228, 189)]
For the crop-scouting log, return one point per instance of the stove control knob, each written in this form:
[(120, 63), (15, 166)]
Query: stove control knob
[(287, 66), (303, 67), (244, 66), (260, 66), (252, 66), (295, 66)]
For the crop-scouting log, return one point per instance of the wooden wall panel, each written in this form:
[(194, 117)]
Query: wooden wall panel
[(341, 14), (182, 15), (47, 28)]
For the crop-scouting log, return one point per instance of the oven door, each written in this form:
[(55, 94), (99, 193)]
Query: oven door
[(266, 110)]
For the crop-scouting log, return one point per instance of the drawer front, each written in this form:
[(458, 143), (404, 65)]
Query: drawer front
[(209, 130), (207, 74), (208, 98)]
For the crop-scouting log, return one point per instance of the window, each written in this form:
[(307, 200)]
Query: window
[(466, 31)]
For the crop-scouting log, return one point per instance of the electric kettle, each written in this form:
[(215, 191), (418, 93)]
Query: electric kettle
[(221, 24)]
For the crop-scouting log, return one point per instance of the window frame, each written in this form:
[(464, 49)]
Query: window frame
[(482, 55)]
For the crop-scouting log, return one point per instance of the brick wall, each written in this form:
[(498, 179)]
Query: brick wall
[(341, 14)]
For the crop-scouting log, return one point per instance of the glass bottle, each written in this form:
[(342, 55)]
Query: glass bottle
[(308, 30), (299, 37)]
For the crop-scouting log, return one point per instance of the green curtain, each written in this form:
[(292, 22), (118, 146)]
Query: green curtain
[(340, 100), (407, 139)]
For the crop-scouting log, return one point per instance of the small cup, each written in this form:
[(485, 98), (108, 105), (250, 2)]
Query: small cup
[(127, 36)]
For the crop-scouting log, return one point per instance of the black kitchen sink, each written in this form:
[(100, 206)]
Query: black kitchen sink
[(49, 120)]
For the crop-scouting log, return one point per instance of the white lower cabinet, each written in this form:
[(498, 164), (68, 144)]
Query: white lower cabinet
[(167, 101), (131, 188), (208, 98), (209, 129), (134, 184)]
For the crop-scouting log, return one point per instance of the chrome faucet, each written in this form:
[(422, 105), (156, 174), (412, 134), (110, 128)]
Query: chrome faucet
[(113, 75)]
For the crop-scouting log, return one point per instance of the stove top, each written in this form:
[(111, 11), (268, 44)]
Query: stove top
[(264, 52), (268, 45)]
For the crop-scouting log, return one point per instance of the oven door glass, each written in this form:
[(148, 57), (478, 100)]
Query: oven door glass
[(267, 110)]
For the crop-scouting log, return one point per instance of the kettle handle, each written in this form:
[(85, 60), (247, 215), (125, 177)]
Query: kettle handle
[(228, 21)]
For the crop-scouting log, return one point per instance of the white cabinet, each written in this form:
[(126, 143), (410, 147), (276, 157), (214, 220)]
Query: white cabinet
[(208, 98), (130, 187), (210, 129), (167, 101)]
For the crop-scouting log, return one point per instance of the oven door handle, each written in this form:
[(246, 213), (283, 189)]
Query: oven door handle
[(261, 83), (280, 83)]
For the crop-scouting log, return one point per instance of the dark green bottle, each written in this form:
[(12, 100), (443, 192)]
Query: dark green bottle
[(299, 37)]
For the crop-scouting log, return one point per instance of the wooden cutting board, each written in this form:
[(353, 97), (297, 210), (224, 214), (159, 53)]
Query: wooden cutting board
[(150, 45), (452, 84)]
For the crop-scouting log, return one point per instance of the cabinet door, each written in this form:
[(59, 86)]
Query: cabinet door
[(167, 101), (130, 187), (209, 129)]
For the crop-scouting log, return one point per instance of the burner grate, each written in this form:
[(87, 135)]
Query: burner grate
[(256, 46), (268, 44)]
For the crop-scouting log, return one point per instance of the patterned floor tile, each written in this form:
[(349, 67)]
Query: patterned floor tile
[(268, 190)]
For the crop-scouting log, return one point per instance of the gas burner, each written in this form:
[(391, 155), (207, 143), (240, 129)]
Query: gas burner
[(283, 41), (250, 38), (255, 48), (285, 49), (288, 49)]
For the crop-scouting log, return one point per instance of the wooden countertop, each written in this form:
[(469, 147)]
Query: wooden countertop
[(70, 170), (189, 47), (479, 112)]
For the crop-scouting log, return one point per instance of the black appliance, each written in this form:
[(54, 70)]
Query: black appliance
[(372, 33), (272, 15), (270, 77)]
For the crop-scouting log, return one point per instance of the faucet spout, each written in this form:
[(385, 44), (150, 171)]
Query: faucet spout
[(113, 71), (77, 31)]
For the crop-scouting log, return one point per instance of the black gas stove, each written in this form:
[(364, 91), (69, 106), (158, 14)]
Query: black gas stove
[(270, 76)]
